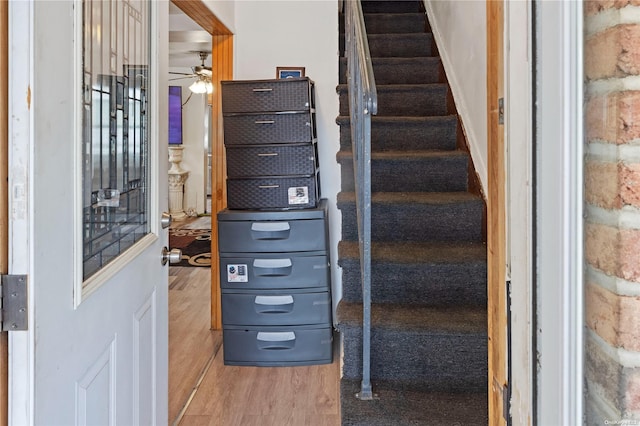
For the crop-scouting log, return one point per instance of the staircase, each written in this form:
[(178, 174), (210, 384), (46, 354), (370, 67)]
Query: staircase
[(429, 274)]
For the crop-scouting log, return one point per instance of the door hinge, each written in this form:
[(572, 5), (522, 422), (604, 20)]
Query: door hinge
[(501, 111), (13, 291)]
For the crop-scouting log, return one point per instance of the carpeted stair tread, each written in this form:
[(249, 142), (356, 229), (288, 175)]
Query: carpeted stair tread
[(417, 252), (426, 273), (417, 155), (412, 197), (416, 216), (418, 70), (394, 23), (410, 407), (405, 132), (428, 171), (400, 45), (405, 99), (458, 320)]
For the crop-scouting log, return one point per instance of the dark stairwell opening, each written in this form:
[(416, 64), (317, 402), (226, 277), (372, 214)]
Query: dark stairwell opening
[(429, 270)]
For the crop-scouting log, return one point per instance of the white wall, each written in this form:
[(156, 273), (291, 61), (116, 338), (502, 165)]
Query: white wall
[(224, 11), (459, 28), (298, 33)]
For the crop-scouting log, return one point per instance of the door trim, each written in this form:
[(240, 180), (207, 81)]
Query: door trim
[(496, 229), (222, 64)]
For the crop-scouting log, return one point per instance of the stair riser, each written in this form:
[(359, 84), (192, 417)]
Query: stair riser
[(444, 362), (380, 23), (396, 45), (391, 6), (440, 133), (443, 174), (417, 222), (412, 71), (418, 283), (408, 102)]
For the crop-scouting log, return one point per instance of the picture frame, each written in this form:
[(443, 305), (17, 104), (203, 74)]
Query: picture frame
[(289, 72)]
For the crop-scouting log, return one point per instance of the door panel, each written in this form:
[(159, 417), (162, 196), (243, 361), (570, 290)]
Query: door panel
[(96, 349)]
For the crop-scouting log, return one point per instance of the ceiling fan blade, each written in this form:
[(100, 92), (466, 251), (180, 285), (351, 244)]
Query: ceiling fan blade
[(181, 78), (182, 73)]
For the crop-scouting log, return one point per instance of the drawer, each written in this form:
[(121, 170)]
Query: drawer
[(292, 94), (272, 235), (276, 308), (272, 160), (271, 271), (277, 346), (273, 192), (243, 129)]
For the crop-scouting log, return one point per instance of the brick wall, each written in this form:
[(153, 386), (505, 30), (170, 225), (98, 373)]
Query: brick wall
[(612, 203)]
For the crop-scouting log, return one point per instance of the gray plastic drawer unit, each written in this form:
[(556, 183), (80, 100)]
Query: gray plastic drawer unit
[(282, 308), (276, 287), (277, 346), (273, 231), (274, 271)]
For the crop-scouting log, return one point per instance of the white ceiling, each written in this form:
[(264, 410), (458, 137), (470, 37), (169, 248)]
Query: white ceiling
[(186, 39)]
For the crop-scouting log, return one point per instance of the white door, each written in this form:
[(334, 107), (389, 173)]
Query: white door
[(88, 184)]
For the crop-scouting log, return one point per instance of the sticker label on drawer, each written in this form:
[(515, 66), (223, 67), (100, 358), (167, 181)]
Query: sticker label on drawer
[(298, 195), (237, 274)]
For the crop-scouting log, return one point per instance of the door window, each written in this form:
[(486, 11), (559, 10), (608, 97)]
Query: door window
[(115, 136)]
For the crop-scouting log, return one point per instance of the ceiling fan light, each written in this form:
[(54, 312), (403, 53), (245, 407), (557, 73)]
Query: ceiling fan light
[(209, 87), (199, 87)]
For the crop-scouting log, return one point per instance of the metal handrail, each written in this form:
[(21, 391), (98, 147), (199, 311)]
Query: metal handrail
[(363, 103)]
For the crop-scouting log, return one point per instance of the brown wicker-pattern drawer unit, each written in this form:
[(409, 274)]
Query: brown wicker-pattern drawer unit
[(271, 144), (291, 94), (251, 129), (273, 193), (272, 160)]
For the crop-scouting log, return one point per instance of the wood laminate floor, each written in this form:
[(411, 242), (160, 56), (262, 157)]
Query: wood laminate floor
[(231, 395)]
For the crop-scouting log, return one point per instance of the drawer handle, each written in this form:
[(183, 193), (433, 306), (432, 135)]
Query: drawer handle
[(276, 341), (264, 121), (272, 263), (262, 89), (272, 267), (270, 226), (268, 186), (273, 304), (270, 230), (274, 300), (268, 154)]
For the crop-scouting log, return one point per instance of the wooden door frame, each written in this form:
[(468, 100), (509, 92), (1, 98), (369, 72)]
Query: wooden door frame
[(4, 198), (496, 215), (222, 65)]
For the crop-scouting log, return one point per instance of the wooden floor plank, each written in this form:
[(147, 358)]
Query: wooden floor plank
[(191, 341), (277, 396)]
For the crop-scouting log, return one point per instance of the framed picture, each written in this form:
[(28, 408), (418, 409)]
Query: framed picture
[(289, 72)]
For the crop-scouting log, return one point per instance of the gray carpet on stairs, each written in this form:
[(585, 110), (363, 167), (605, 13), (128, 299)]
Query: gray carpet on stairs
[(429, 271)]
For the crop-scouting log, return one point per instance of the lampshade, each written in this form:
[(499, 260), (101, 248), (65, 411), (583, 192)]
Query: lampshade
[(201, 86)]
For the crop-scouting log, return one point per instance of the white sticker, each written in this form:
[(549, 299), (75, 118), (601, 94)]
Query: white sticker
[(237, 274), (298, 195)]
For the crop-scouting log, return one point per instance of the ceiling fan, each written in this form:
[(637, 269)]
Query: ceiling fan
[(201, 73)]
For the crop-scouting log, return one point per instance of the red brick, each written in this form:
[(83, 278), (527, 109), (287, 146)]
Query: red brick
[(614, 52), (613, 118), (591, 7), (601, 184), (629, 178), (602, 313), (629, 255), (602, 247)]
